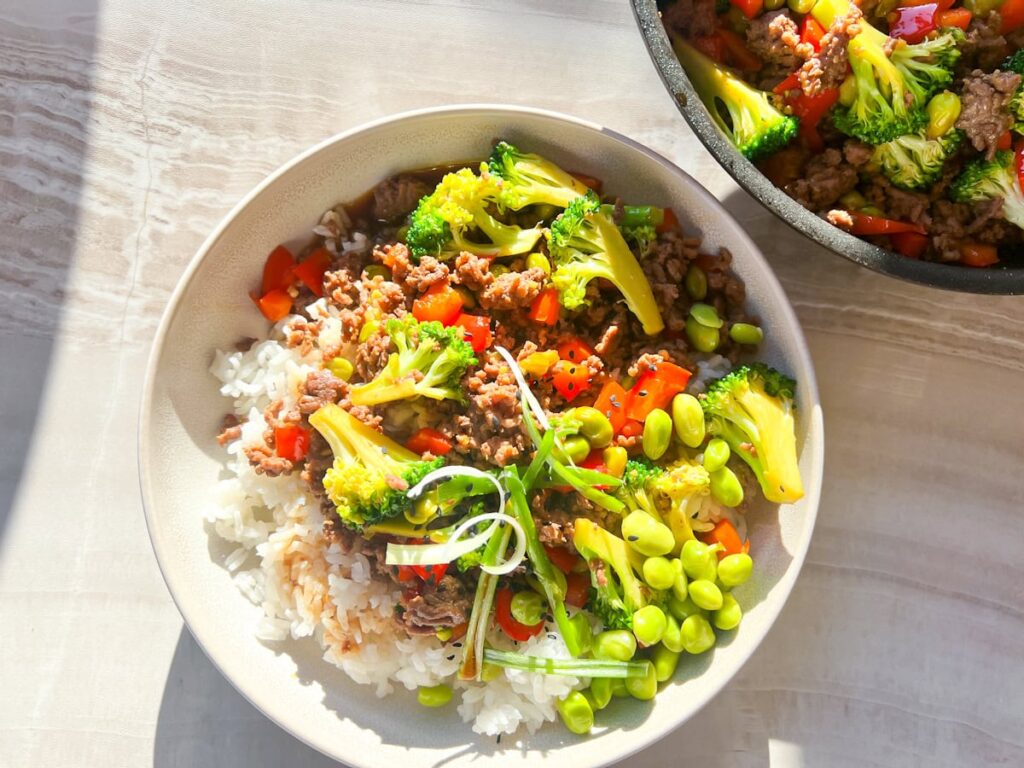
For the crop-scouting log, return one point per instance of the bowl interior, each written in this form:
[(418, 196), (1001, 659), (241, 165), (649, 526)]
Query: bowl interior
[(998, 280), (180, 459)]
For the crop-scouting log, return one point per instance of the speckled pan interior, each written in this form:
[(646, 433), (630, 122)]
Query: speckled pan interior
[(179, 458), (949, 277)]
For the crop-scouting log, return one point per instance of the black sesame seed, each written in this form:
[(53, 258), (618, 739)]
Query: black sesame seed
[(451, 658), (632, 538), (457, 644), (642, 393), (572, 370), (571, 386)]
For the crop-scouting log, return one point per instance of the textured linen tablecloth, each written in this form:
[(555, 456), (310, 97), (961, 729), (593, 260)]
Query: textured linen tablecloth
[(128, 128)]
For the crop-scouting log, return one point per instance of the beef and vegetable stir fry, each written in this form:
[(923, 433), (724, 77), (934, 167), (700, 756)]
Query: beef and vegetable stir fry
[(901, 121)]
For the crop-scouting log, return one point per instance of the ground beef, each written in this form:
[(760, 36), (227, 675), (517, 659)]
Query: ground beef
[(857, 153), (691, 18), (473, 271), (827, 178), (827, 67), (230, 430), (897, 203), (665, 268), (446, 604), (513, 290), (984, 116), (428, 273), (340, 288), (773, 37), (397, 196), (954, 223), (984, 47), (371, 355), (321, 388), (265, 462)]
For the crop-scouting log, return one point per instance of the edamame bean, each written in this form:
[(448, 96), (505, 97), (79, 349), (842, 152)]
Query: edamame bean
[(848, 91), (853, 200), (701, 338), (773, 5), (683, 609), (729, 615), (576, 713), (615, 644), (538, 261), (468, 299), (745, 333), (671, 638), (646, 535), (943, 111), (716, 455), (688, 419), (706, 315), (697, 634), (600, 692), (649, 625), (594, 426), (734, 570), (706, 594), (659, 573), (527, 608), (657, 433), (643, 688), (680, 584), (499, 269), (696, 283), (726, 487), (377, 270), (664, 661), (615, 458), (619, 688), (340, 368), (801, 6), (573, 447), (699, 560), (434, 695)]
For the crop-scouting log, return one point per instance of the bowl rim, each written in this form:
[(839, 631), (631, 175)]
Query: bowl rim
[(1004, 281), (815, 425)]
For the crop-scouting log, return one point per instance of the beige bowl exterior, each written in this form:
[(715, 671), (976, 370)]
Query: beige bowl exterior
[(179, 458)]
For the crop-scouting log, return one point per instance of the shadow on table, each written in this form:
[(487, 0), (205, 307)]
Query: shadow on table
[(204, 721), (46, 61)]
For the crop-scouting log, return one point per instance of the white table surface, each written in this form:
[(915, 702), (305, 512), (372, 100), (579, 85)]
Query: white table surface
[(129, 127)]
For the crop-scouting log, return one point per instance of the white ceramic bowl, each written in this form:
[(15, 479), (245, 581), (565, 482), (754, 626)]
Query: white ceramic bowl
[(181, 410)]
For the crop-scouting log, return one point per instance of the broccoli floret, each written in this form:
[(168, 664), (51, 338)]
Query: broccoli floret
[(679, 491), (751, 408), (584, 244), (635, 483), (371, 473), (1015, 63), (894, 78), (989, 179), (429, 361), (528, 179), (443, 221), (751, 120), (617, 591), (638, 223), (914, 161)]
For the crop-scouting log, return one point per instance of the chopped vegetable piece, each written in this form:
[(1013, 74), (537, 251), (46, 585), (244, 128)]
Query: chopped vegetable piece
[(1012, 14), (291, 442), (711, 46), (277, 271), (955, 17), (570, 379), (590, 182), (655, 389), (612, 403), (724, 533), (431, 574), (811, 32), (477, 330), (574, 350), (978, 255), (429, 440), (539, 363), (750, 8), (312, 269), (1005, 141), (545, 308), (669, 222), (274, 305), (737, 52), (632, 428), (563, 559), (914, 23), (440, 302), (863, 224), (810, 110), (577, 588), (511, 627), (909, 244)]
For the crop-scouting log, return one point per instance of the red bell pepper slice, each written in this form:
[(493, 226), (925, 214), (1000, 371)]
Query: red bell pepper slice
[(791, 83), (612, 403), (570, 379), (1005, 141), (545, 308), (476, 330), (955, 17), (711, 46), (574, 350), (737, 52), (655, 389), (511, 627), (590, 182), (914, 23), (863, 224), (439, 302), (811, 32), (1011, 12), (291, 442), (311, 270), (978, 255), (669, 222), (577, 589), (405, 573), (632, 428), (562, 558), (749, 8), (274, 305), (431, 574), (909, 244), (810, 110), (277, 271), (429, 440)]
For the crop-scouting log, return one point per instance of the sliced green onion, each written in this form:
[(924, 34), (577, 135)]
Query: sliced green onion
[(456, 547), (571, 667), (524, 388), (471, 665), (540, 458)]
